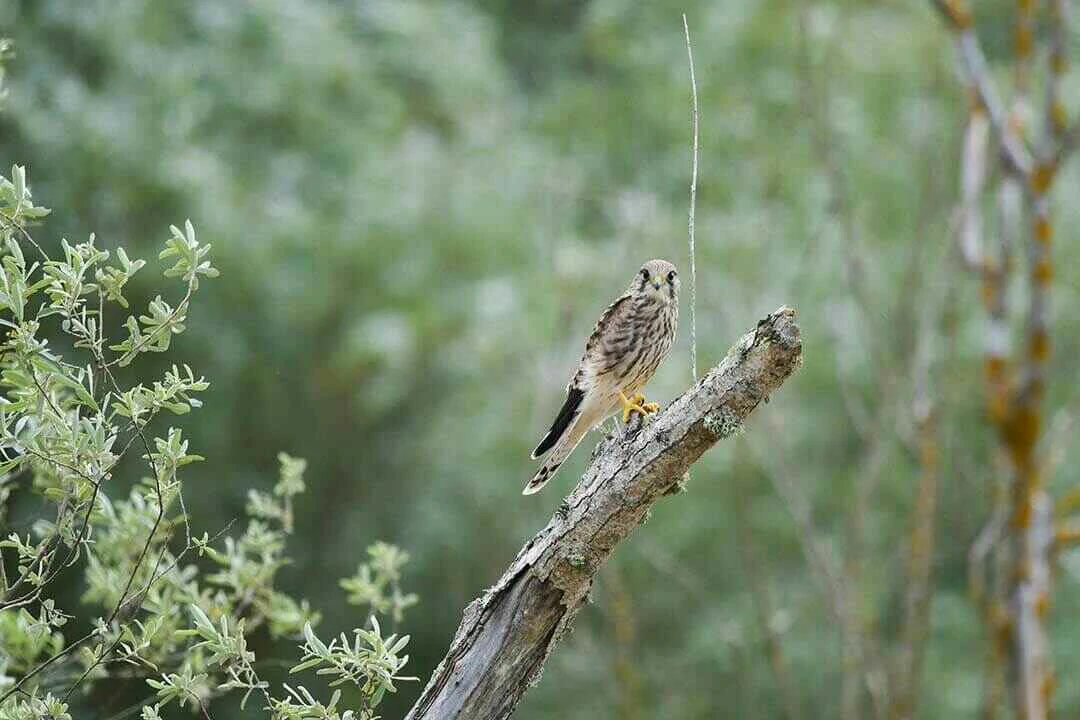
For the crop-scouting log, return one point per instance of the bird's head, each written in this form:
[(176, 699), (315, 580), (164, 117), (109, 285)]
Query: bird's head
[(657, 280)]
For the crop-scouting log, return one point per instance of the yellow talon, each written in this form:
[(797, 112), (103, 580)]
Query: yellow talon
[(636, 404), (629, 407), (648, 407)]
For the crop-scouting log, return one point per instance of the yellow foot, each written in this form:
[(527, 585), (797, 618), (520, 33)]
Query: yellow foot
[(648, 407), (636, 404)]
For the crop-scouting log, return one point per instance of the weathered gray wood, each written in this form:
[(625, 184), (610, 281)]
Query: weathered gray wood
[(506, 635)]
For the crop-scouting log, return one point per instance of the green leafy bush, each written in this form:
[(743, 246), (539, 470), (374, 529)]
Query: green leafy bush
[(168, 606)]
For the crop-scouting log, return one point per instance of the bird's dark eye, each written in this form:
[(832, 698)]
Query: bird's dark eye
[(671, 276), (645, 273)]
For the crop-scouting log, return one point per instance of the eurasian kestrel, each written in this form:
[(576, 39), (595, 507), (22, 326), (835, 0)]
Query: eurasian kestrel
[(630, 340)]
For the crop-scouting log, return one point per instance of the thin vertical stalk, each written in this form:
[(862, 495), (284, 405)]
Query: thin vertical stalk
[(693, 204)]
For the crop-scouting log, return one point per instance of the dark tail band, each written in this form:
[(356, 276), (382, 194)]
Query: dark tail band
[(562, 421)]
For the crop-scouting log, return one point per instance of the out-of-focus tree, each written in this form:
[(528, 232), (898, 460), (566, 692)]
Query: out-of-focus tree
[(1017, 547)]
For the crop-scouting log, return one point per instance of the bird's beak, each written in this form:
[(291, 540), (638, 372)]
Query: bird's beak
[(656, 283)]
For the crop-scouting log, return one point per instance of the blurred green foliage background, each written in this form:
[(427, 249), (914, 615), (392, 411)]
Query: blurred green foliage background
[(419, 209)]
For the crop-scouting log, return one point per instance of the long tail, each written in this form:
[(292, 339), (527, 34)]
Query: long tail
[(567, 415), (562, 449)]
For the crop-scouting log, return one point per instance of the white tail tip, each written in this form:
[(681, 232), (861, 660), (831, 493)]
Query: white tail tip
[(532, 489)]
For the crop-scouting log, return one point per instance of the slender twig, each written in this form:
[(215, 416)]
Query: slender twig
[(25, 234), (164, 326), (693, 205)]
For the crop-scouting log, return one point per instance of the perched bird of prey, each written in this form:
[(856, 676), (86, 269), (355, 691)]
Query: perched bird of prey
[(629, 342)]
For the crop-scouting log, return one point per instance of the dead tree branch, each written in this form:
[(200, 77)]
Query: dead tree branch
[(507, 634)]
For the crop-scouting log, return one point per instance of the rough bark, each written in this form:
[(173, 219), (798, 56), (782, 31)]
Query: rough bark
[(507, 634)]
